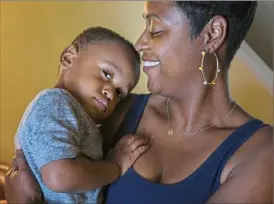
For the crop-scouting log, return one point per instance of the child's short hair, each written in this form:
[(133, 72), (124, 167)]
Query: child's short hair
[(101, 34)]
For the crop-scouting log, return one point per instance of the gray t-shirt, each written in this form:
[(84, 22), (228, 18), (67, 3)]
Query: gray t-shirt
[(55, 126)]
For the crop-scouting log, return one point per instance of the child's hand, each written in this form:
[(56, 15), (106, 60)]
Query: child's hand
[(128, 150)]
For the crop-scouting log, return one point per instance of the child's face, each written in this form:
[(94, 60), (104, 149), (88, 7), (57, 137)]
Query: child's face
[(99, 76)]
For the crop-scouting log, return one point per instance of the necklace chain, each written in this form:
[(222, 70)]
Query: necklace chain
[(171, 131)]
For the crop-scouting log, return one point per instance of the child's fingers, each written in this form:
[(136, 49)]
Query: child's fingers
[(125, 140), (13, 167), (135, 144), (134, 155), (21, 160)]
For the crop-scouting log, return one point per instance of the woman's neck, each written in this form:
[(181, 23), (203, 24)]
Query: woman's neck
[(200, 107)]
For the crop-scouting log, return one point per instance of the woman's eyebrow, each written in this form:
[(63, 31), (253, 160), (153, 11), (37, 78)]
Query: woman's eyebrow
[(163, 19), (151, 15)]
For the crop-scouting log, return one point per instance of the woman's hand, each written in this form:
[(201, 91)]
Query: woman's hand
[(20, 184)]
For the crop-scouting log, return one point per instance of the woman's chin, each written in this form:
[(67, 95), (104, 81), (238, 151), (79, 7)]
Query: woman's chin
[(154, 79), (153, 87)]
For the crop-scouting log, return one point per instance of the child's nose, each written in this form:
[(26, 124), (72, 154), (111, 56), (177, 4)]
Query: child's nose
[(108, 92)]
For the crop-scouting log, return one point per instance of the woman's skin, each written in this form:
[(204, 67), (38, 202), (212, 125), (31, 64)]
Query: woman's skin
[(247, 177)]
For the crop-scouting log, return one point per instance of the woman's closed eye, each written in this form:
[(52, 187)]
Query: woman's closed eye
[(155, 29), (155, 34)]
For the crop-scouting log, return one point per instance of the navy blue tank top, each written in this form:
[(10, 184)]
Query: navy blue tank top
[(197, 188)]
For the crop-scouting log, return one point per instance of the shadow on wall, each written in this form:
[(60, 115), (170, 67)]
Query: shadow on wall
[(260, 36)]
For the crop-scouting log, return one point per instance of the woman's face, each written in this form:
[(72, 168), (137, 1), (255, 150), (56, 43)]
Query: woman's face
[(170, 58)]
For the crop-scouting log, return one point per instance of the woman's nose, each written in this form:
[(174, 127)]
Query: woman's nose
[(142, 42)]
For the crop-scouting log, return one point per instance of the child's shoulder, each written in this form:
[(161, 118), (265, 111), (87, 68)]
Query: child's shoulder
[(52, 101), (54, 97), (55, 93)]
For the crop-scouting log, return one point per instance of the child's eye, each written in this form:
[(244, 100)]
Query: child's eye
[(107, 74)]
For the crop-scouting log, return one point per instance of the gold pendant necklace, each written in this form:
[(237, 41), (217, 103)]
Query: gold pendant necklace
[(171, 131)]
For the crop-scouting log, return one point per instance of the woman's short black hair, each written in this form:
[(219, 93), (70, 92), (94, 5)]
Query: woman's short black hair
[(239, 16)]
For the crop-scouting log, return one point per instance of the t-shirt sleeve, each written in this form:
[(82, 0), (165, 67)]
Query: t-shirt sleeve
[(50, 128)]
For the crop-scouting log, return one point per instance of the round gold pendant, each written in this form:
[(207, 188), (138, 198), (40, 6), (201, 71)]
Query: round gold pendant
[(170, 132)]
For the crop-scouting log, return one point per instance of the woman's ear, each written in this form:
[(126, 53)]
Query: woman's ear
[(68, 56), (215, 33)]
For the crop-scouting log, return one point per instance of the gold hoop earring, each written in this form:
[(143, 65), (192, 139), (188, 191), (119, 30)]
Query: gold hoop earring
[(201, 68)]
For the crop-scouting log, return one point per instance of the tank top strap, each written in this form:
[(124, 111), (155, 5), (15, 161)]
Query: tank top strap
[(240, 136), (232, 143)]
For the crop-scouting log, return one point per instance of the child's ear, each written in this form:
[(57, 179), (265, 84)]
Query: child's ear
[(68, 56)]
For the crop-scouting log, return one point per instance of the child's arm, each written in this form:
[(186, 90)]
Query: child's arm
[(82, 174), (79, 175)]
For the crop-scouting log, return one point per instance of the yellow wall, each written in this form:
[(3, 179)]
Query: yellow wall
[(247, 90), (33, 35)]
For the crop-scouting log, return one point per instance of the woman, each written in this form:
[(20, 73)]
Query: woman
[(205, 148)]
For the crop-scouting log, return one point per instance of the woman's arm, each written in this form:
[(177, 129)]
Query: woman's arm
[(251, 181), (20, 184)]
